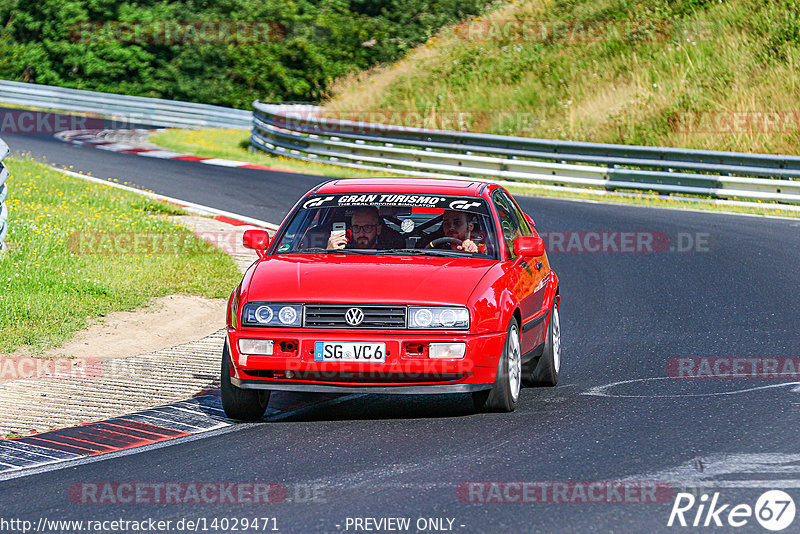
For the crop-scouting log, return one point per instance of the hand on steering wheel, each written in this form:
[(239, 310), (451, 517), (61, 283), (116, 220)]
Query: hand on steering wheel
[(445, 242), (452, 242)]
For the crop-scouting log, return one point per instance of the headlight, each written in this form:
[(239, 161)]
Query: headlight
[(288, 315), (264, 314), (450, 317), (267, 314)]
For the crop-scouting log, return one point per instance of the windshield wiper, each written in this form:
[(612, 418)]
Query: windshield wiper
[(350, 251), (423, 252), (305, 250), (318, 250)]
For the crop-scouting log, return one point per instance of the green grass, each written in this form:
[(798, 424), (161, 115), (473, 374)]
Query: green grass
[(703, 57), (52, 283), (233, 144)]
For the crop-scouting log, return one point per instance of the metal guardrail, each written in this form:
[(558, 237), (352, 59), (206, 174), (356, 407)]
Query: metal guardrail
[(131, 109), (300, 132), (3, 196)]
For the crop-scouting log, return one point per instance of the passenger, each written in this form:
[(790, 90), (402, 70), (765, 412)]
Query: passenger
[(366, 227)]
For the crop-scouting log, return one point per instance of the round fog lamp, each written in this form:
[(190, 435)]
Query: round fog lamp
[(264, 314), (423, 317), (287, 315), (447, 318)]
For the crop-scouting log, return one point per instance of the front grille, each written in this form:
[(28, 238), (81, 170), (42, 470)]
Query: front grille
[(332, 316)]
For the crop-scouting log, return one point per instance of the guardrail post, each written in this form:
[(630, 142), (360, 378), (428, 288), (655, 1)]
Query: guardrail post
[(3, 196)]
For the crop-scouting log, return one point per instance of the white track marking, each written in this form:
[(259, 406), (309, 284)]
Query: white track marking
[(162, 154), (602, 391), (222, 162), (734, 468)]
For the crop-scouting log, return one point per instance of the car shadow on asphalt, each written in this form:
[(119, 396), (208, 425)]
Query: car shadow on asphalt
[(378, 407), (365, 407)]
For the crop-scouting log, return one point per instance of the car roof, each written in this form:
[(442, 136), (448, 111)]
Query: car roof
[(392, 184)]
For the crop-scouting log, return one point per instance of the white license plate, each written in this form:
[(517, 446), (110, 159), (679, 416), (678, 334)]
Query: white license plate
[(333, 351)]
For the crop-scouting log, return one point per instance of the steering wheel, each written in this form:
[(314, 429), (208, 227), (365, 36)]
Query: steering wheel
[(446, 242)]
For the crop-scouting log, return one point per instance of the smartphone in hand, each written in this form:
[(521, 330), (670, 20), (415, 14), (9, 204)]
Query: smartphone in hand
[(339, 229)]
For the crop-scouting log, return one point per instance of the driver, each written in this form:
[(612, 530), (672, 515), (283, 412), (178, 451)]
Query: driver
[(457, 226), (366, 227)]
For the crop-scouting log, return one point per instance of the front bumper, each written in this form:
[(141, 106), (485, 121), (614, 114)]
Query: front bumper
[(389, 390), (407, 369)]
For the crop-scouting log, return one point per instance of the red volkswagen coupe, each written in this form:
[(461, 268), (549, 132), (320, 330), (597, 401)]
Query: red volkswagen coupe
[(394, 286)]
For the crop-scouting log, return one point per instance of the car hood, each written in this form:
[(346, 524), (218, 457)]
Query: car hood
[(366, 279)]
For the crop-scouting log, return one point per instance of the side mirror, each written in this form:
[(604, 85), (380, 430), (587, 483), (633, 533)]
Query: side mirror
[(526, 246), (257, 240)]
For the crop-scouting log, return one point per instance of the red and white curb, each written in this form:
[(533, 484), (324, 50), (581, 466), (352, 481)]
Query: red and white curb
[(92, 138), (182, 419)]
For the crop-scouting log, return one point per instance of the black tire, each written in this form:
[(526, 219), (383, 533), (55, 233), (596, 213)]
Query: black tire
[(504, 394), (241, 404), (545, 371)]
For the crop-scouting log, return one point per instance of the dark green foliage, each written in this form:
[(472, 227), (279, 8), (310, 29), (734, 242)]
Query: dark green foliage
[(317, 41)]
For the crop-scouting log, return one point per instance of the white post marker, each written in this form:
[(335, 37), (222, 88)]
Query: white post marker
[(3, 196)]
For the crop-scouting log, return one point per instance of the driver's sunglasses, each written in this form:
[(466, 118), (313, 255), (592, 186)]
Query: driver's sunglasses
[(367, 228)]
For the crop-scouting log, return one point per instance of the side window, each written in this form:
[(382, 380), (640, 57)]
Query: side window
[(523, 224), (510, 224)]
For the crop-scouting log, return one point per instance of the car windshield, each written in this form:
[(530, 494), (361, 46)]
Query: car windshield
[(390, 224)]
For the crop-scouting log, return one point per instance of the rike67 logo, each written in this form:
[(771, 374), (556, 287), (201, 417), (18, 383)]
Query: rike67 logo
[(774, 510)]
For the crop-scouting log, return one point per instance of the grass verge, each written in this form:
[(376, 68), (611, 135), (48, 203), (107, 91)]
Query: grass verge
[(80, 250), (686, 73)]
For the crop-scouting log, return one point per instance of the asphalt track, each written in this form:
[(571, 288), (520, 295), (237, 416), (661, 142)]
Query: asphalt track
[(624, 316)]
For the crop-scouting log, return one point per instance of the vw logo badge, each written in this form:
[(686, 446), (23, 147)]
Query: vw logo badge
[(354, 316)]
